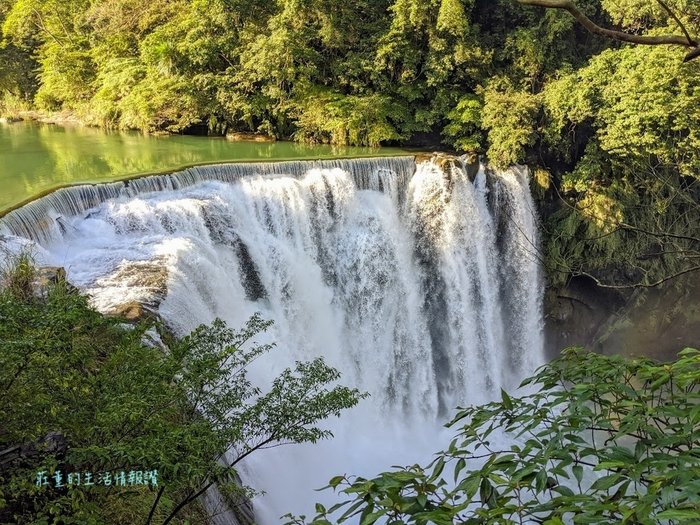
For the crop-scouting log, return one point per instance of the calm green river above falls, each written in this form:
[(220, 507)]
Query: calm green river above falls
[(36, 158)]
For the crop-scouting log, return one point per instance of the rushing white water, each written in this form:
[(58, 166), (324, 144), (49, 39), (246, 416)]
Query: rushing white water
[(419, 284)]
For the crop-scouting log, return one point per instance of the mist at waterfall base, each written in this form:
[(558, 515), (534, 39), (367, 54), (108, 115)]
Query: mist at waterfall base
[(418, 284)]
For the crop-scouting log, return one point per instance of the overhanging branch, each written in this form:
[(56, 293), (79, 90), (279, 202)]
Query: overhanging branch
[(649, 40), (678, 21)]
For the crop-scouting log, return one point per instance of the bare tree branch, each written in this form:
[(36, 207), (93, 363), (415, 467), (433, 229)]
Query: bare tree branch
[(695, 53), (568, 5), (641, 284), (678, 21)]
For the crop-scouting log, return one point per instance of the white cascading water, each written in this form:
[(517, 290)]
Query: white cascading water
[(419, 284)]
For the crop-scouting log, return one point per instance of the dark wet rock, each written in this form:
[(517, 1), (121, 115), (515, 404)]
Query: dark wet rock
[(448, 163), (46, 277), (231, 508), (575, 313), (147, 284), (656, 322), (252, 283), (472, 165), (53, 443), (254, 137), (133, 312), (149, 275)]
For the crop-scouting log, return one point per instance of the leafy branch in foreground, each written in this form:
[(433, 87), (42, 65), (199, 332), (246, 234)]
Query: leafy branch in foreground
[(602, 440), (119, 401), (243, 419)]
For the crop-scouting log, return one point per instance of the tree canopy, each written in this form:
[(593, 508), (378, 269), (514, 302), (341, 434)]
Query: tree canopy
[(361, 72)]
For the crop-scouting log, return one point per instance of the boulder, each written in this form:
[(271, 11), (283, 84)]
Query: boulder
[(53, 443), (47, 276), (470, 163), (250, 137), (133, 312)]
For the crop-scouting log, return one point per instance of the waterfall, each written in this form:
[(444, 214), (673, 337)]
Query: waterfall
[(37, 219), (420, 284)]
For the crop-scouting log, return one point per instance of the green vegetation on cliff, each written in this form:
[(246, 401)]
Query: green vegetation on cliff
[(82, 393), (615, 126)]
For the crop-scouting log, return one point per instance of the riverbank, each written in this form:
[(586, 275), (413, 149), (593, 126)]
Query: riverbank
[(72, 118), (62, 118)]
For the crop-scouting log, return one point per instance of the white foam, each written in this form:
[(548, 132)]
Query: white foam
[(425, 294)]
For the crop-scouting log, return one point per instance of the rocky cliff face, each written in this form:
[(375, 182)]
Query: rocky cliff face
[(657, 323), (651, 322)]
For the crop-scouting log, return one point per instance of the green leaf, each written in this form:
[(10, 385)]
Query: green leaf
[(371, 517), (437, 469), (553, 521), (461, 464), (506, 400), (335, 481), (606, 482), (678, 514)]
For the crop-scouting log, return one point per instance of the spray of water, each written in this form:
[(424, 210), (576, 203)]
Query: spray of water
[(418, 283)]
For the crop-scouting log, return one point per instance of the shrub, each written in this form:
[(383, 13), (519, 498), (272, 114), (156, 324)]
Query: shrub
[(598, 440), (121, 402)]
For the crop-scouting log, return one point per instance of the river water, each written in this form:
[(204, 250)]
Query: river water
[(36, 158)]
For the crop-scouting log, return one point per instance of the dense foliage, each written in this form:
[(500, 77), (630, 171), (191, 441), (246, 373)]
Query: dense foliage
[(598, 440), (120, 402), (362, 72), (615, 127)]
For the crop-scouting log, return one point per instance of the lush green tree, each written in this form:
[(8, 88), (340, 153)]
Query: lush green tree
[(521, 81), (57, 31), (596, 440), (381, 70), (628, 121), (123, 402), (18, 82)]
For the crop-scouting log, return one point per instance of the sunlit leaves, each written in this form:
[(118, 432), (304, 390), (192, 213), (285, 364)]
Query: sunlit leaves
[(509, 115), (596, 440)]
